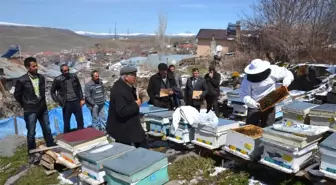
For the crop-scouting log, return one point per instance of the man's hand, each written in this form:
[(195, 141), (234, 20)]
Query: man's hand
[(211, 75), (82, 102), (138, 101), (171, 92)]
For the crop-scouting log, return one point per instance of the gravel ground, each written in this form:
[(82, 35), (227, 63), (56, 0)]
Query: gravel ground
[(9, 144)]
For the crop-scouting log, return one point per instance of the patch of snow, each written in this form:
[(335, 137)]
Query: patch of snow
[(64, 180), (218, 170), (255, 182)]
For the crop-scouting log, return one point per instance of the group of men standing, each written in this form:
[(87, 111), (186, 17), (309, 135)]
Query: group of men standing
[(66, 91), (197, 89), (164, 90)]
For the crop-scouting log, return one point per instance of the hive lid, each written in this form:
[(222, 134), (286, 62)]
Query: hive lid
[(324, 108), (151, 109), (329, 142), (222, 126), (163, 114), (106, 151), (298, 107), (134, 161), (80, 136)]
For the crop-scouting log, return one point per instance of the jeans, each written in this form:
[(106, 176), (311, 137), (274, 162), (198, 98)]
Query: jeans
[(31, 119), (97, 121), (75, 108)]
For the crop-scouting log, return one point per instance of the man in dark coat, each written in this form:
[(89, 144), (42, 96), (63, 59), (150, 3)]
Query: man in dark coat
[(123, 122), (158, 82), (213, 80), (67, 92), (195, 83), (30, 93)]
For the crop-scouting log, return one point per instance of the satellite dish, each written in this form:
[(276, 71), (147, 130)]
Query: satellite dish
[(219, 48)]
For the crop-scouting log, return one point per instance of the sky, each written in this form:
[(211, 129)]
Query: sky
[(133, 16)]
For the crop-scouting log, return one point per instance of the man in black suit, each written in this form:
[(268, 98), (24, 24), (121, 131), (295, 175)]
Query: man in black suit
[(213, 80), (194, 84)]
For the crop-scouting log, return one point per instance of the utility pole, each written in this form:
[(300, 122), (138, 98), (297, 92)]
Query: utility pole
[(115, 31)]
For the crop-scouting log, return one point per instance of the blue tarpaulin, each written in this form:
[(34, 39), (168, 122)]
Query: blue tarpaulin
[(7, 126)]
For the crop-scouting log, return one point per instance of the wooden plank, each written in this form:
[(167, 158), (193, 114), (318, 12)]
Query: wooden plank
[(42, 149), (48, 159), (16, 126), (47, 165), (49, 172)]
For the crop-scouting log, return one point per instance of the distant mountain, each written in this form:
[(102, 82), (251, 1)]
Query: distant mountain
[(130, 35), (32, 38)]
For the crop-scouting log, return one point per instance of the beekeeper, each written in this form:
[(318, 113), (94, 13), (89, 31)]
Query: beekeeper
[(260, 80)]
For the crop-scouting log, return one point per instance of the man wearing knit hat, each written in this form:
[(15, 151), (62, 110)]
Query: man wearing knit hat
[(123, 122), (260, 80), (161, 82)]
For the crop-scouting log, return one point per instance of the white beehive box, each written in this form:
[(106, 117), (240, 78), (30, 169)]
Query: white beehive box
[(328, 157), (297, 111), (324, 115), (244, 142), (286, 158), (293, 140), (184, 134), (213, 137)]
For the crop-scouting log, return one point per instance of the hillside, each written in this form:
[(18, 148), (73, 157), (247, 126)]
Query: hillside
[(35, 39)]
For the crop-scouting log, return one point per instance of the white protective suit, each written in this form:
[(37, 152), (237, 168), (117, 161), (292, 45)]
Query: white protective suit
[(250, 92)]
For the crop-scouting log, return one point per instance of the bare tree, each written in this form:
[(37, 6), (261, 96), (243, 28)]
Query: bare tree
[(289, 28), (160, 40)]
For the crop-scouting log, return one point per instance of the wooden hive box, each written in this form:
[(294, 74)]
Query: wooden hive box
[(211, 138), (245, 142)]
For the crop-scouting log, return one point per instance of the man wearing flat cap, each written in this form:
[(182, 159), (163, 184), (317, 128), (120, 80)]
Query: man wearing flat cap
[(123, 122), (162, 87)]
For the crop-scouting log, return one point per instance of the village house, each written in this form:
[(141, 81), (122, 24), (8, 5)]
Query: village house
[(208, 39)]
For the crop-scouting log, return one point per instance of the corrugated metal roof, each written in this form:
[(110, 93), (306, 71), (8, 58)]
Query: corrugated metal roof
[(15, 69)]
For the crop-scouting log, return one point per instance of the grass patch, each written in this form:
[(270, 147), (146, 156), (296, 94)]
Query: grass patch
[(35, 176), (189, 168), (10, 165)]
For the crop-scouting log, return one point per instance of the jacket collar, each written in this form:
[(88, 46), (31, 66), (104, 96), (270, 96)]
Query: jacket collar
[(124, 84), (27, 76), (62, 78)]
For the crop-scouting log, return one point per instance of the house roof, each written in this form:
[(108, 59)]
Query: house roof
[(219, 34)]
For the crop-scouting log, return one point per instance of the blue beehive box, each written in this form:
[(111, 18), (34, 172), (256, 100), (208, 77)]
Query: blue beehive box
[(328, 158), (92, 160), (159, 122), (137, 167), (151, 109)]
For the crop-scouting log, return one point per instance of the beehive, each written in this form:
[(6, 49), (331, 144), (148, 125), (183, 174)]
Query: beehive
[(244, 142)]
